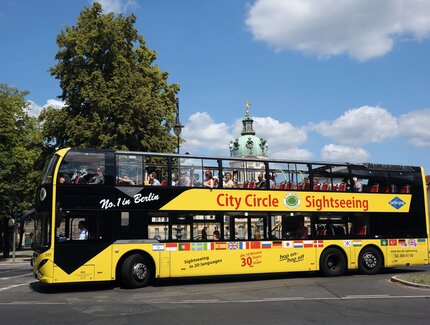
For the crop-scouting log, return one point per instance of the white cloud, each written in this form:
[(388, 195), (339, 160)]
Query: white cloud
[(336, 153), (203, 134), (416, 126), (362, 29), (34, 109), (360, 126), (117, 6), (283, 138), (291, 153)]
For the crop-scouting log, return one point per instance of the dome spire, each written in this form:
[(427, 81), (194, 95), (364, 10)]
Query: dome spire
[(247, 121), (248, 144)]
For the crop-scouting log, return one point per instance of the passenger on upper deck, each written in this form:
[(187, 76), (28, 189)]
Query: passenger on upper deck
[(195, 182), (228, 182), (98, 178), (209, 181), (125, 180), (153, 181), (358, 187), (261, 183), (184, 180)]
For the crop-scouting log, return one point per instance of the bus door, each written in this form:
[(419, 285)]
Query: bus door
[(83, 246)]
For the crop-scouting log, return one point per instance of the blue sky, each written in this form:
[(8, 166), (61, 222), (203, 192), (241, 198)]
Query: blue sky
[(336, 80)]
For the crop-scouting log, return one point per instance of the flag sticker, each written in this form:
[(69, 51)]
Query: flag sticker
[(318, 243), (347, 243), (392, 242), (384, 242), (357, 243), (220, 246), (412, 243), (421, 242), (277, 244), (308, 243), (255, 245), (287, 244), (298, 244), (403, 243), (266, 244), (171, 247), (184, 246), (244, 245), (233, 246), (208, 246), (158, 247), (197, 246)]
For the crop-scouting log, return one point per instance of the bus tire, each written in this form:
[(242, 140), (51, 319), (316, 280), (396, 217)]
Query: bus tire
[(370, 261), (332, 262), (136, 272)]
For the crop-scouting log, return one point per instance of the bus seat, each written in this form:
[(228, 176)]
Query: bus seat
[(342, 187), (281, 186), (317, 187), (251, 185), (289, 186), (362, 231), (406, 189), (324, 187), (374, 188), (163, 182)]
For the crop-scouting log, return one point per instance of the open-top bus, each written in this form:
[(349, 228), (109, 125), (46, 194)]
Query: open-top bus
[(302, 216)]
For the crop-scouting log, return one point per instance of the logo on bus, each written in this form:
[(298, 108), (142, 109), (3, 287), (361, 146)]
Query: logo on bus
[(292, 200), (397, 203)]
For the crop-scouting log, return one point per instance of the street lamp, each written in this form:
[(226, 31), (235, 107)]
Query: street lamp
[(177, 128)]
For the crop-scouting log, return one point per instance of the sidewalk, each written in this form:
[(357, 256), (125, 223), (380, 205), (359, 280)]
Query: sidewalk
[(21, 256)]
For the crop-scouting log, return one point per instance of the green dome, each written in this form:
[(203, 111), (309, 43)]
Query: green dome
[(248, 144)]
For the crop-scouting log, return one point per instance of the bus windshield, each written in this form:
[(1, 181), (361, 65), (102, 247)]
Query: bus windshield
[(42, 228), (48, 170)]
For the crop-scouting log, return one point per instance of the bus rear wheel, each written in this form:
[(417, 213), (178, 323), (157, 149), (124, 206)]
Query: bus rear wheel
[(135, 272), (370, 261), (332, 262)]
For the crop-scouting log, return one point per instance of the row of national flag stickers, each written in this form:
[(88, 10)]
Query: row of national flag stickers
[(236, 245), (171, 247)]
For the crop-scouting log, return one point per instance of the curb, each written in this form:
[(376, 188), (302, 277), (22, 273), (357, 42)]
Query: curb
[(408, 283)]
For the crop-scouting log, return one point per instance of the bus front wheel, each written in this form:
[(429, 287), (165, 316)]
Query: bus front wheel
[(332, 262), (370, 261), (135, 272)]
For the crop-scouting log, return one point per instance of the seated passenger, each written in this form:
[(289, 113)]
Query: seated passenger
[(195, 182), (83, 235), (261, 183), (98, 178), (209, 181), (125, 180), (216, 235), (153, 181), (302, 232), (358, 187), (228, 182), (184, 180)]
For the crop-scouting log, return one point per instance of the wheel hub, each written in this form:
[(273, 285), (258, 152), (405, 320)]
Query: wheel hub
[(140, 271), (369, 260)]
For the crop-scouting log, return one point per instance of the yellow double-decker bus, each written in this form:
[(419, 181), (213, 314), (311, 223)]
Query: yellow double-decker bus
[(134, 217)]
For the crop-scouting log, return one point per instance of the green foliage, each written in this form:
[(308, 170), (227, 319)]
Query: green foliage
[(20, 148), (115, 96)]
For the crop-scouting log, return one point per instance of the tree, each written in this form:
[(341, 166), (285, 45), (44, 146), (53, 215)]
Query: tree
[(115, 96), (20, 149)]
